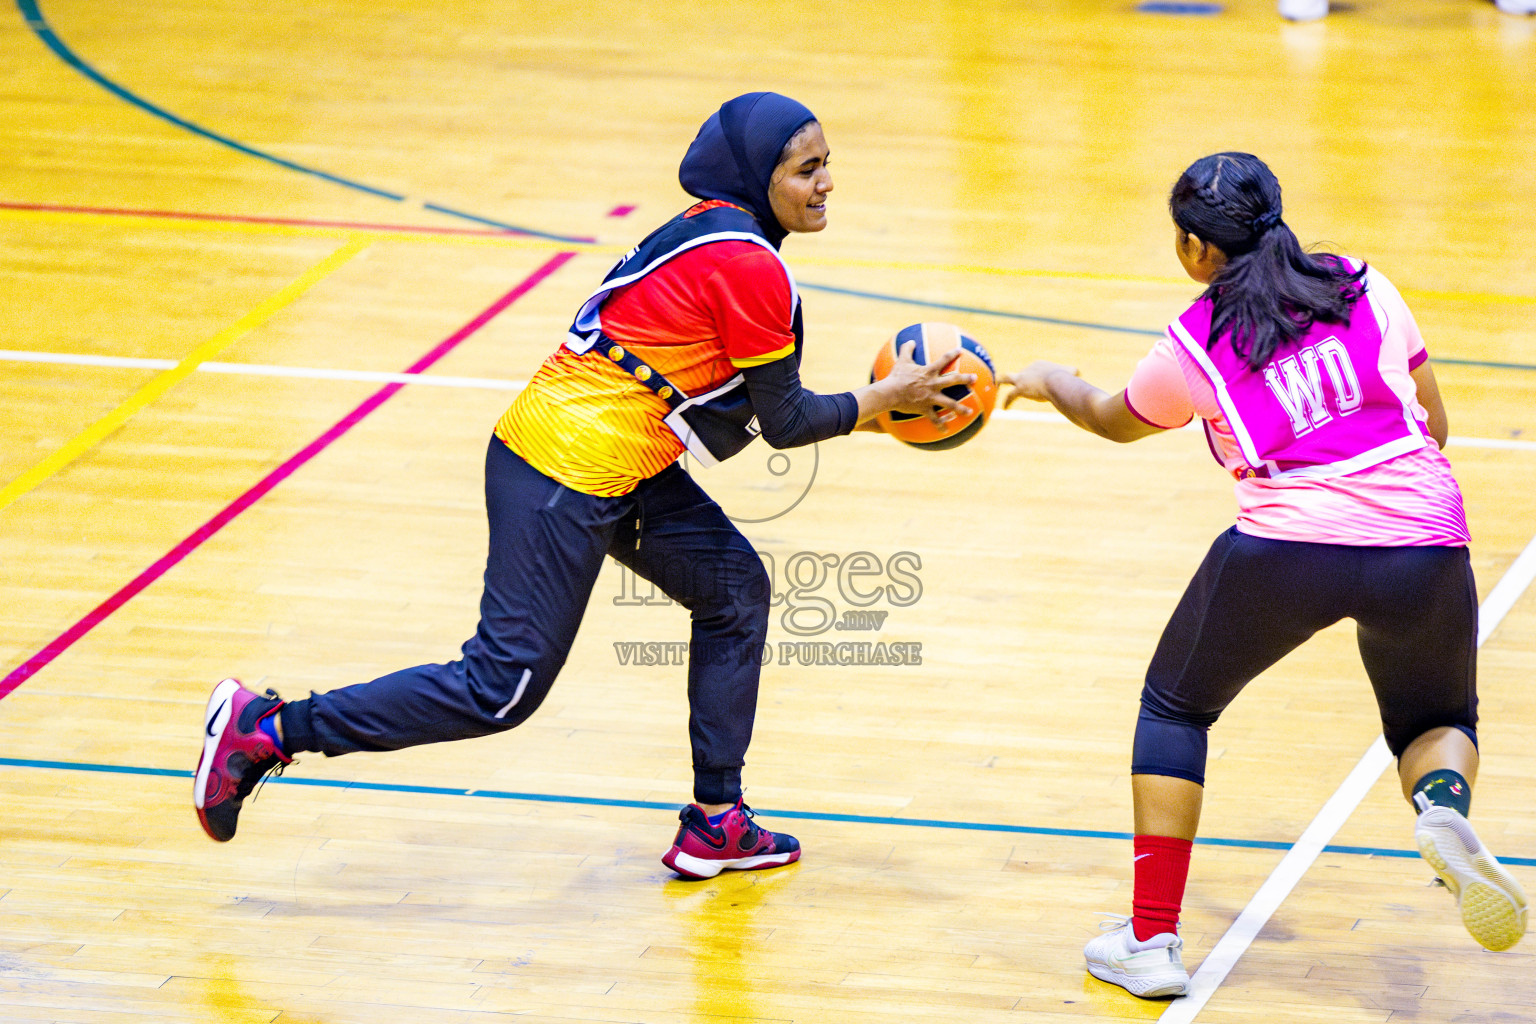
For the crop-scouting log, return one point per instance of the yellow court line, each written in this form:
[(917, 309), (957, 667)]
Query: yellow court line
[(93, 435), (1486, 298)]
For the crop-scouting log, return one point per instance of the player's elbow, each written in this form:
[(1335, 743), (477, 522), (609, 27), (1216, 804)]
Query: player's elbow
[(779, 441), (1123, 430), (1113, 428), (1439, 429), (1116, 435), (781, 438)]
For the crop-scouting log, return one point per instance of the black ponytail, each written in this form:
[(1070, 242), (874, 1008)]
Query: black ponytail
[(1270, 292)]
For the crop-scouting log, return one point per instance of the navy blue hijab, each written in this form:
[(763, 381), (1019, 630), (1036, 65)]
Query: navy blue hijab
[(733, 156)]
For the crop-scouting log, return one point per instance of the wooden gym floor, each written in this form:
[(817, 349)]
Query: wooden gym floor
[(224, 227)]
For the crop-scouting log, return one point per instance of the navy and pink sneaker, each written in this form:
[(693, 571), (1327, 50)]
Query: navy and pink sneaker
[(702, 850), (237, 752)]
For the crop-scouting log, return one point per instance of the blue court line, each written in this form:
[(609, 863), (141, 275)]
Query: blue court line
[(1482, 362), (1197, 10), (476, 218), (653, 805), (1086, 324), (40, 28), (1032, 318)]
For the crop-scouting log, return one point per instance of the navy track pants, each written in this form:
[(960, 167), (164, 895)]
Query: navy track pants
[(547, 544)]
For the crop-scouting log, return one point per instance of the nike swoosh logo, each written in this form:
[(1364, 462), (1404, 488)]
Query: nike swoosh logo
[(215, 717), (1134, 859), (718, 844)]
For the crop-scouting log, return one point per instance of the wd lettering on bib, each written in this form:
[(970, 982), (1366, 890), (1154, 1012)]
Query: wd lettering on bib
[(1318, 408), (1297, 382)]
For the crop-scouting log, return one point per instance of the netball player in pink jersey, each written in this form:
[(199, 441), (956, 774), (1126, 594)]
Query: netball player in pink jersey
[(1313, 387)]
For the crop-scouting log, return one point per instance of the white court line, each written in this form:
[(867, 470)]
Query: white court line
[(1507, 444), (259, 370), (496, 384), (1508, 590), (371, 376), (71, 358), (1219, 962)]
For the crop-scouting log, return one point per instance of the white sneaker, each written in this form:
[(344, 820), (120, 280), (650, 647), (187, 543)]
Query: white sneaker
[(1516, 6), (1303, 10), (1151, 968), (1492, 903)]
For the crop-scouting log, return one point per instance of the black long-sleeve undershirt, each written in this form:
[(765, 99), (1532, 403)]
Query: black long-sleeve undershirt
[(789, 415)]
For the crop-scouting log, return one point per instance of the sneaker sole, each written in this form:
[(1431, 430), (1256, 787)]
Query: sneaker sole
[(216, 718), (1492, 904), (1146, 988), (697, 868)]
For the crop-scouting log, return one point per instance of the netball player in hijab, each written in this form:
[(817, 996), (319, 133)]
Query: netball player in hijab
[(1313, 386), (690, 343)]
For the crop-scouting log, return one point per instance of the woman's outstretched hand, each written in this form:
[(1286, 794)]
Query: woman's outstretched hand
[(1030, 382), (1094, 410), (915, 388)]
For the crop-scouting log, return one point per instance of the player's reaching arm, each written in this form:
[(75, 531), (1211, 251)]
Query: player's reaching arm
[(914, 388), (791, 416), (1429, 397), (1089, 407)]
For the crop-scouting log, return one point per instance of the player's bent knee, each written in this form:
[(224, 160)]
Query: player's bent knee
[(1168, 746), (510, 694), (1400, 738), (737, 598)]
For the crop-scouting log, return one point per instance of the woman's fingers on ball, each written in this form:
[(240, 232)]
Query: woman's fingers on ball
[(916, 371), (949, 358)]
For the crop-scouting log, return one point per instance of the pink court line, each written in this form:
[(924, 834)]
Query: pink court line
[(621, 211), (292, 222), (67, 639)]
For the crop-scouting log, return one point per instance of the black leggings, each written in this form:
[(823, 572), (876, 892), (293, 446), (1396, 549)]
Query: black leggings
[(1255, 600)]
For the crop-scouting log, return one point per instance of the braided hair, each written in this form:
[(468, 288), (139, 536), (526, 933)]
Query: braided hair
[(1270, 292)]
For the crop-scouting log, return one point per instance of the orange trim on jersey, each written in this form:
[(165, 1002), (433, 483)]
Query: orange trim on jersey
[(711, 204)]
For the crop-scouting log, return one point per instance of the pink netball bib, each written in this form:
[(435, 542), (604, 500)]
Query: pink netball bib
[(1319, 407)]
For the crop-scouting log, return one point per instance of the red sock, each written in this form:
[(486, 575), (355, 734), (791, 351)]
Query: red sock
[(1162, 866)]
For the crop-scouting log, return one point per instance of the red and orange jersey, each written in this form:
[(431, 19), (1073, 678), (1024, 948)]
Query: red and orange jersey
[(697, 319)]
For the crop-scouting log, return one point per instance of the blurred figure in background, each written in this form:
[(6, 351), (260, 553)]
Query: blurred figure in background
[(1312, 10)]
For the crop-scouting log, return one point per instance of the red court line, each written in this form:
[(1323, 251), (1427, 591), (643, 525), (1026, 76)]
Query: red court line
[(291, 222), (65, 640)]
